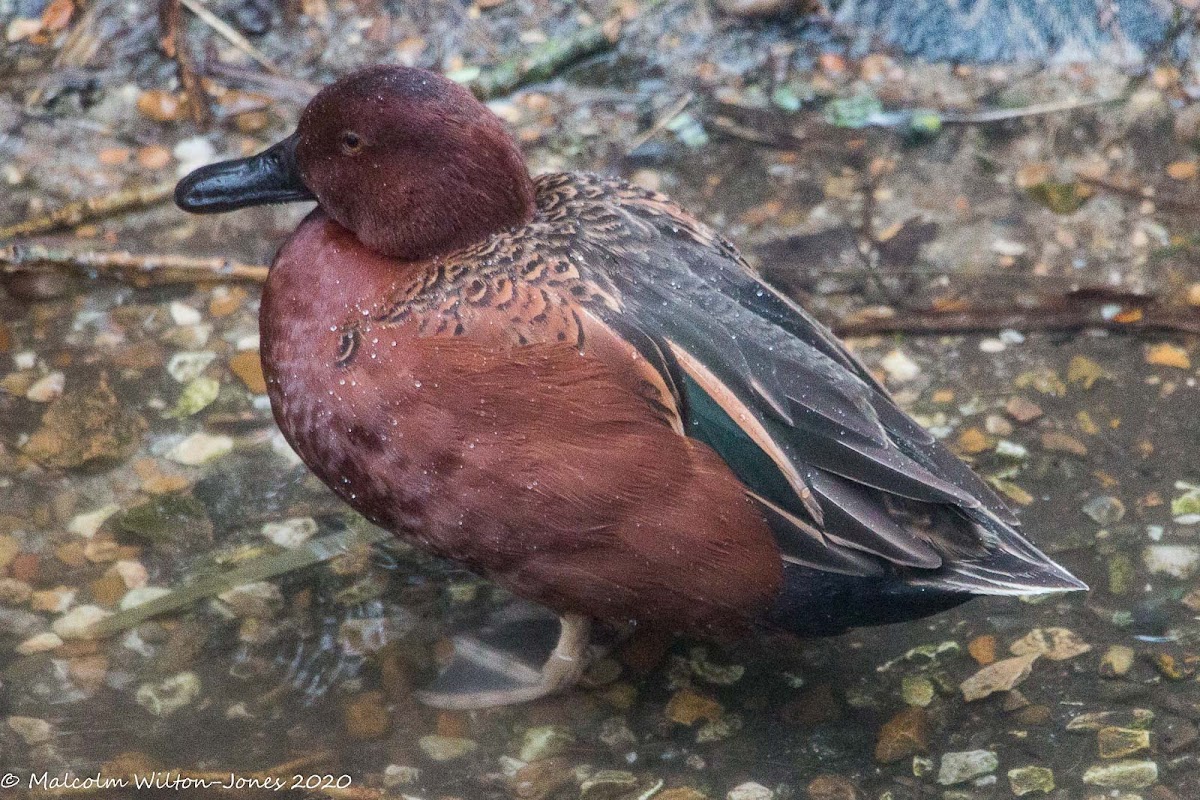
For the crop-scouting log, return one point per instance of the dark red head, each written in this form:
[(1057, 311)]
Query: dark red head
[(409, 161)]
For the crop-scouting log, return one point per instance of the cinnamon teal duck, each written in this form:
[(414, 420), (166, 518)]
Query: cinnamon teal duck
[(573, 387)]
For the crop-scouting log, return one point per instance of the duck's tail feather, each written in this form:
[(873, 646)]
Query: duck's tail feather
[(1009, 564)]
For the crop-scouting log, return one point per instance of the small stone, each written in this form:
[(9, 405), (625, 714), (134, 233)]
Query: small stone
[(107, 590), (1122, 742), (164, 698), (396, 775), (31, 729), (133, 574), (183, 314), (983, 649), (1186, 507), (88, 523), (260, 599), (998, 677), (40, 643), (712, 672), (192, 153), (1031, 716), (972, 441), (681, 793), (86, 427), (54, 601), (687, 707), (160, 105), (14, 592), (200, 448), (720, 729), (366, 715), (1122, 775), (1027, 780), (164, 519), (196, 396), (831, 787), (153, 157), (1182, 170), (1121, 573), (1060, 442), (1173, 668), (247, 366), (997, 425), (446, 748), (903, 736), (1085, 371), (917, 690), (1022, 409), (290, 533), (541, 779), (77, 623), (1116, 661), (1168, 355), (608, 784), (1141, 718), (961, 767), (1105, 510), (89, 673), (1175, 734), (46, 388), (750, 791), (899, 366), (1173, 560), (616, 733), (186, 366), (9, 549), (544, 741), (1056, 644)]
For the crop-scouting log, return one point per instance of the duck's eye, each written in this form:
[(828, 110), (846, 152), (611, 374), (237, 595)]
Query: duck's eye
[(351, 142)]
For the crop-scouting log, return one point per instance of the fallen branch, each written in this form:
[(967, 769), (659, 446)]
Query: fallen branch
[(548, 59), (544, 61), (259, 569), (139, 270), (93, 208)]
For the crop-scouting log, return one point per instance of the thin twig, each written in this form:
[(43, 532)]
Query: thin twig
[(136, 269), (674, 110), (981, 320), (229, 34), (93, 208), (1037, 109)]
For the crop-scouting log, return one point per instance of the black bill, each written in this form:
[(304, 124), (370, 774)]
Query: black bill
[(269, 177)]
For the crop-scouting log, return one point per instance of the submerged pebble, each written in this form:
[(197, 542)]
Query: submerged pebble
[(964, 766)]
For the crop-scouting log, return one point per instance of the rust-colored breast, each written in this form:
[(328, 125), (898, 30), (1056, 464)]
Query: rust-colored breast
[(479, 407)]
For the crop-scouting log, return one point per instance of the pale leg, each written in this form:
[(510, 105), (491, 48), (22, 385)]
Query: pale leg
[(561, 670)]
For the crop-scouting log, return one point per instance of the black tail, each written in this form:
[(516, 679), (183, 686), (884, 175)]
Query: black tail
[(818, 603)]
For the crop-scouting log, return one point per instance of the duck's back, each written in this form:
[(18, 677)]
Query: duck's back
[(851, 485)]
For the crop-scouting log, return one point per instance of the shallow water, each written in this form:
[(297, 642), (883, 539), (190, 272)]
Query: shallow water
[(311, 672)]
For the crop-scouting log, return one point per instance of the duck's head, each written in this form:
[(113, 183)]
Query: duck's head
[(408, 160)]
